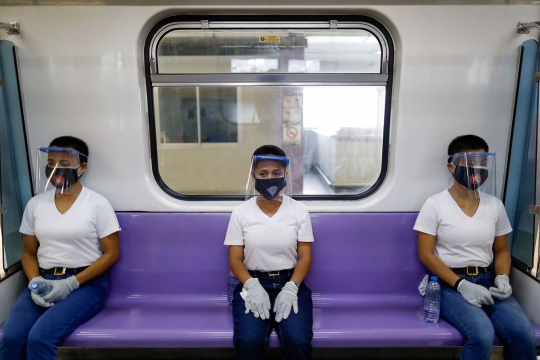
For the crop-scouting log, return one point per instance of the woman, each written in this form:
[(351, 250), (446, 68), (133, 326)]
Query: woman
[(70, 239), (269, 239), (461, 232)]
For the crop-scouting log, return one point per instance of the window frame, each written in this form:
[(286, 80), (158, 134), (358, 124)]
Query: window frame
[(191, 22)]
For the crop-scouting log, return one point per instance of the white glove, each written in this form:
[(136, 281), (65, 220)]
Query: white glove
[(423, 285), (503, 290), (286, 299), (475, 295), (257, 300), (61, 289), (38, 299)]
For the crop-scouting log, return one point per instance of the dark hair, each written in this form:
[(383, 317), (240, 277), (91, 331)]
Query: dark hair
[(74, 143), (269, 150), (465, 143)]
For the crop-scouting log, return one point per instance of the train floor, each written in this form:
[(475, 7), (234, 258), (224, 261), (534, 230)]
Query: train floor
[(215, 354)]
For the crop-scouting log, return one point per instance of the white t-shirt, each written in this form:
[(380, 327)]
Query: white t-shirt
[(269, 243), (462, 240), (71, 239)]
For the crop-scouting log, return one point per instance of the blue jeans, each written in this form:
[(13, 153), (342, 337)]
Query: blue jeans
[(295, 333), (478, 326), (33, 332)]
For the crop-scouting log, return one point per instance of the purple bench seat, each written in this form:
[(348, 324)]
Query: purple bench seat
[(169, 287)]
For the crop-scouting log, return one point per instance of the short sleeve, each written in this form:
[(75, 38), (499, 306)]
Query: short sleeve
[(305, 232), (428, 218), (503, 226), (27, 222), (235, 234), (106, 221)]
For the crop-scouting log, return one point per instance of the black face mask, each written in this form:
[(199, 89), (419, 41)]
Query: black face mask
[(62, 177), (470, 177), (270, 188)]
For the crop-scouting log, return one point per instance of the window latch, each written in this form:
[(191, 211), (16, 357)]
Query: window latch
[(205, 25), (333, 24), (152, 66)]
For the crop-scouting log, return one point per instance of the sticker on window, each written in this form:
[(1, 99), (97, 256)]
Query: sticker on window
[(269, 39)]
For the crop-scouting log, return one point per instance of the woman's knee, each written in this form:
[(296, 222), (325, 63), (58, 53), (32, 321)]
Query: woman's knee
[(37, 338), (522, 335), (483, 338), (250, 339), (11, 339)]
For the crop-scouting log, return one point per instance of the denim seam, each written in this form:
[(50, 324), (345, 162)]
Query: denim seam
[(458, 320), (456, 317), (502, 329)]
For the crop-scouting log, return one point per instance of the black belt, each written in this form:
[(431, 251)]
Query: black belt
[(470, 270), (59, 271), (256, 273)]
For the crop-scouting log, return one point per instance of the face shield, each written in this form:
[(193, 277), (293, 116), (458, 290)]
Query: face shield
[(58, 168), (269, 177), (473, 173)]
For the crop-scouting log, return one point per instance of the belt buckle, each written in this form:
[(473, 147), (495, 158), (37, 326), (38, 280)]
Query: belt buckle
[(475, 273), (60, 273), (275, 273)]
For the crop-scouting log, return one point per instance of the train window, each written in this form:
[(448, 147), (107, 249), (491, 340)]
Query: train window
[(15, 179), (219, 88)]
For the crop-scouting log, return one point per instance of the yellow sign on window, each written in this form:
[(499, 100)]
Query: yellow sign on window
[(269, 39)]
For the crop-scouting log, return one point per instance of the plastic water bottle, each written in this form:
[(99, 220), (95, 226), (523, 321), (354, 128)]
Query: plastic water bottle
[(432, 301), (40, 288), (231, 285)]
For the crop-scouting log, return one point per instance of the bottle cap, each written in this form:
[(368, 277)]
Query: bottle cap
[(34, 285), (434, 278)]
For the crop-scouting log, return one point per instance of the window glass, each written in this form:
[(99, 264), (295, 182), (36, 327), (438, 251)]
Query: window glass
[(15, 185), (197, 115), (332, 134), (318, 89), (269, 50)]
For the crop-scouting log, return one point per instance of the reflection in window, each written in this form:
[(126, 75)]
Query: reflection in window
[(197, 115), (332, 134), (292, 51), (253, 65)]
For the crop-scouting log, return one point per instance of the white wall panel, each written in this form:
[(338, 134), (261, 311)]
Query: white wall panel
[(527, 292), (10, 289), (82, 74)]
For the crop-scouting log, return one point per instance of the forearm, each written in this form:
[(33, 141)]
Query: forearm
[(239, 270), (503, 262), (301, 270), (30, 265), (437, 267), (97, 268)]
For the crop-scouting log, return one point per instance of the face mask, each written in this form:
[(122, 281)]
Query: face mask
[(62, 177), (471, 177), (270, 188)]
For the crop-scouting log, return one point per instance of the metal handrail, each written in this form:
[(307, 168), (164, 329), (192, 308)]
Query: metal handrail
[(12, 28), (524, 27)]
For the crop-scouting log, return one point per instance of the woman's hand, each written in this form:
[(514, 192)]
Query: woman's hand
[(38, 299), (502, 289), (474, 294), (257, 300), (286, 299), (61, 289)]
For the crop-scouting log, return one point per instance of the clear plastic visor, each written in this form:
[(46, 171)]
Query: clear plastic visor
[(57, 168), (473, 174), (269, 177)]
